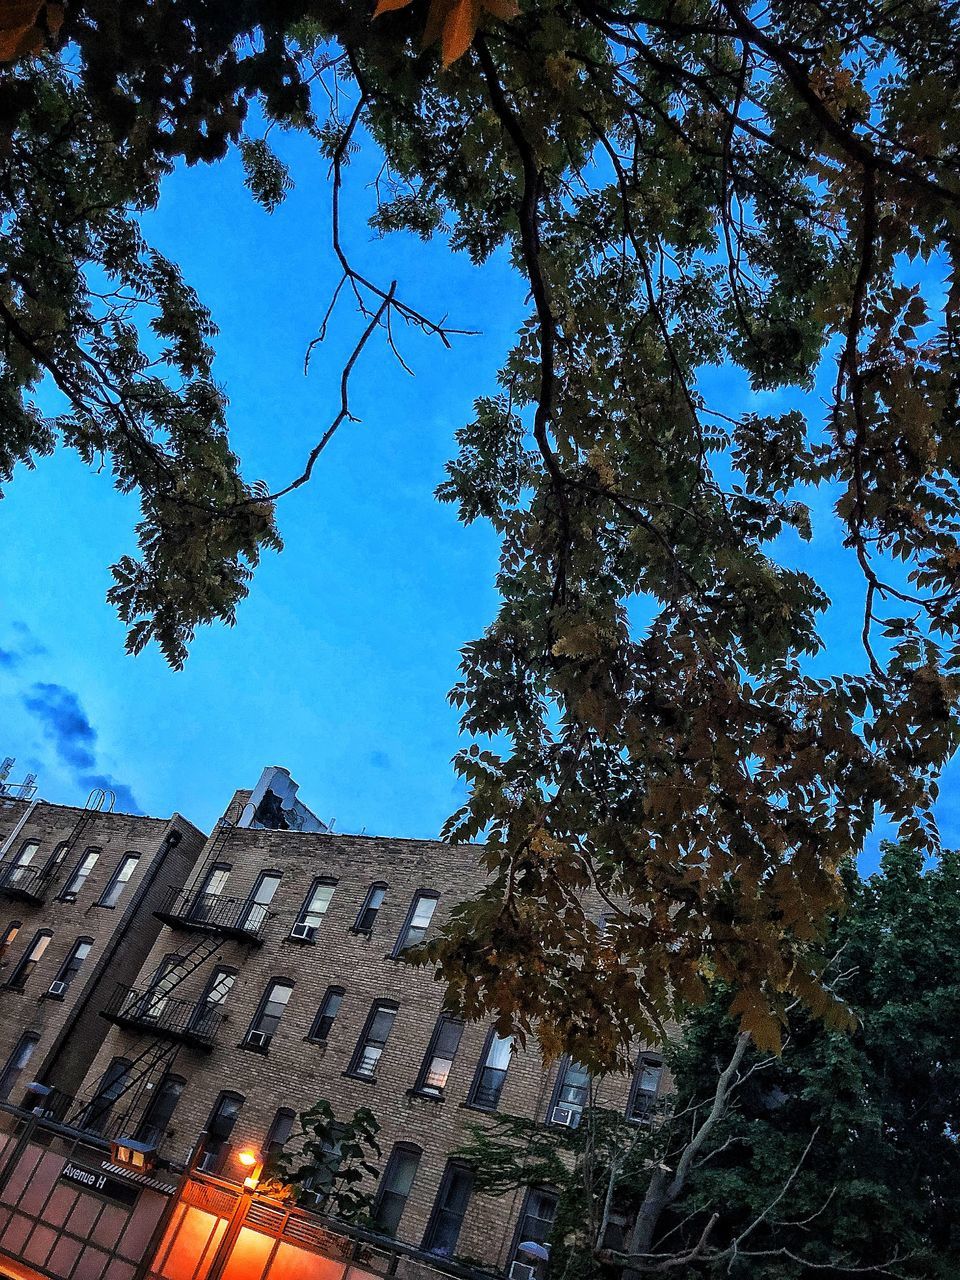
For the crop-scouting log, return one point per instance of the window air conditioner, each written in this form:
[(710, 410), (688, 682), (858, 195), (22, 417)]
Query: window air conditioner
[(569, 1117), (57, 989), (258, 1039), (522, 1271), (303, 932)]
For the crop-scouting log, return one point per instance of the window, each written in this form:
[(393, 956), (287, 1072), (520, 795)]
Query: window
[(205, 904), (29, 960), (536, 1220), (326, 1014), (444, 1044), (375, 1035), (70, 968), (371, 908), (279, 1132), (220, 1126), (443, 1230), (571, 1096), (395, 1187), (154, 1000), (111, 1087), (156, 1118), (55, 861), (313, 910), (260, 900), (119, 880), (417, 922), (317, 1186), (205, 1015), (646, 1086), (18, 871), (17, 1062), (492, 1072), (264, 1026), (79, 877), (9, 937)]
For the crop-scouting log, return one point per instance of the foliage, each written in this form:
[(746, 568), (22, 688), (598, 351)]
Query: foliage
[(839, 1156), (331, 1156), (685, 186)]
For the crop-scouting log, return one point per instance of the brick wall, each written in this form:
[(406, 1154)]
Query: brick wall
[(296, 1072), (68, 1028)]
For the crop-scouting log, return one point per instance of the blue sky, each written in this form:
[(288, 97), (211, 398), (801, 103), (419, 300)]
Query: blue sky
[(343, 653)]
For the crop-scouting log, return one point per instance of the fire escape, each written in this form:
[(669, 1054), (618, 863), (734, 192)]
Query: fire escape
[(171, 1021), (24, 882)]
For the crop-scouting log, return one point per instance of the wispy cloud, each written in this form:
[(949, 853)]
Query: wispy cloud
[(64, 723), (60, 714), (25, 645)]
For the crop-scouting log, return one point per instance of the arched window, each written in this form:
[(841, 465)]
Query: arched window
[(326, 1014), (449, 1210), (372, 903), (395, 1187)]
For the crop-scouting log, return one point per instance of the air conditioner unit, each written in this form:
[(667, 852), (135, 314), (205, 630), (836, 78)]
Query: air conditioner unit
[(303, 932), (569, 1117), (57, 989), (522, 1271), (258, 1039)]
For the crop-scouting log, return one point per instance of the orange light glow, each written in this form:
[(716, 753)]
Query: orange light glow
[(247, 1158)]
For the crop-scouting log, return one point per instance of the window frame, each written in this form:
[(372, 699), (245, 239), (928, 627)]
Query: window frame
[(20, 974), (251, 905), (482, 1066), (69, 894), (222, 1153), (7, 941), (272, 984), (539, 1189), (402, 944), (272, 1144), (451, 1169), (305, 912), (646, 1057), (566, 1064), (312, 1035), (11, 1073), (400, 1149), (365, 906), (144, 1130), (10, 875), (99, 1107), (65, 967), (421, 1086), (116, 883), (364, 1042)]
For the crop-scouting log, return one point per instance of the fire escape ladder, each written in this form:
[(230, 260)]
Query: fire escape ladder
[(156, 1052), (137, 1085), (186, 963)]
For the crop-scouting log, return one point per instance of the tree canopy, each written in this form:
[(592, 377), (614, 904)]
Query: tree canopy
[(840, 1157), (684, 185)]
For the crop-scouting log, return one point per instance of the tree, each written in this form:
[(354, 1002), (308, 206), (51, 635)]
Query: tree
[(329, 1158), (838, 1157), (684, 184)]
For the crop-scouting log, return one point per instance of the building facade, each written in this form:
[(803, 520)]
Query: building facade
[(268, 973)]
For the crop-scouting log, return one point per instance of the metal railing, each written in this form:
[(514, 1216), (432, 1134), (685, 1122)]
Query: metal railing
[(193, 1022), (28, 883), (211, 913)]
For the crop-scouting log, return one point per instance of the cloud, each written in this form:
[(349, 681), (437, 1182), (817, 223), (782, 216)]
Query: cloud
[(64, 722), (26, 645), (380, 760), (126, 801)]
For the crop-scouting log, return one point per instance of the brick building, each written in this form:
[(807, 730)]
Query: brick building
[(267, 974)]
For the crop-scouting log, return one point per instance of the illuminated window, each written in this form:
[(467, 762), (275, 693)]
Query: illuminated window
[(371, 1044), (444, 1044), (29, 960)]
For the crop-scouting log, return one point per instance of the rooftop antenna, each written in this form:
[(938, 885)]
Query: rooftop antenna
[(24, 790)]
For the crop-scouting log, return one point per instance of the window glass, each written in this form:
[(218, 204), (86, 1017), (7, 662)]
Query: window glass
[(313, 910), (156, 1118), (372, 1042), (220, 1126), (71, 966), (207, 902), (371, 908), (449, 1211), (18, 872), (395, 1188), (327, 1013), (29, 960), (260, 900), (572, 1094), (265, 1024), (439, 1060), (205, 1015), (536, 1221), (119, 880), (17, 1062), (9, 937), (488, 1085), (418, 921), (279, 1132), (111, 1087), (646, 1085), (79, 877)]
